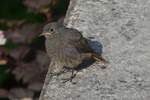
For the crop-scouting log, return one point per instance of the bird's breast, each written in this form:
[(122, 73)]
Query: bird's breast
[(54, 47), (57, 50)]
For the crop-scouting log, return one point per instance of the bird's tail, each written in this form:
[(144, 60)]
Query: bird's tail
[(98, 59)]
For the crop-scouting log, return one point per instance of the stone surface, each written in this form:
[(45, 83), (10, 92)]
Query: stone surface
[(123, 29)]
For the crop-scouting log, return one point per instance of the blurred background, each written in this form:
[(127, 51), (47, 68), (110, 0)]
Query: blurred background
[(23, 60)]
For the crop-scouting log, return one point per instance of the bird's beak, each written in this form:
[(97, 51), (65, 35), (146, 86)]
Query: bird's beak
[(44, 34)]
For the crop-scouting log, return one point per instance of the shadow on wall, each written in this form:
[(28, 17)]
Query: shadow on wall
[(97, 48)]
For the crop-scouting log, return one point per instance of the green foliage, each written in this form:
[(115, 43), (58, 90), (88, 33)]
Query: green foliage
[(10, 45), (37, 42), (59, 9), (14, 9), (4, 26), (4, 76)]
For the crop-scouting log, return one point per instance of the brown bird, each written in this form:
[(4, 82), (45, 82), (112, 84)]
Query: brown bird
[(67, 47)]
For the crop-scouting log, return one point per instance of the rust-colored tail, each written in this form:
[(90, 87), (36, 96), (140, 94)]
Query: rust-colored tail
[(98, 59)]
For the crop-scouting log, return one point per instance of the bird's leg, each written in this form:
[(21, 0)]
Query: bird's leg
[(70, 78), (66, 69)]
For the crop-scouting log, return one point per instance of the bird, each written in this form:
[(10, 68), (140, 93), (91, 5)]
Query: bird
[(67, 47)]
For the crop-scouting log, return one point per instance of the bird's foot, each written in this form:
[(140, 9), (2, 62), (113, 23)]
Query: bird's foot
[(68, 75), (69, 79)]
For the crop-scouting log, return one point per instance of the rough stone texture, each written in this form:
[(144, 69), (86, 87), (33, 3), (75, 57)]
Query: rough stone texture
[(123, 28)]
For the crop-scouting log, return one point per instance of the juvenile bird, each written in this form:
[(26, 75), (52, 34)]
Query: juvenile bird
[(66, 47)]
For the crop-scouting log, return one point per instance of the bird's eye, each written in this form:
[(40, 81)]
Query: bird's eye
[(51, 30)]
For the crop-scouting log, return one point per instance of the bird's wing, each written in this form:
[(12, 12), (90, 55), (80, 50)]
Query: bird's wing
[(78, 48), (75, 46), (82, 45), (75, 38), (72, 56)]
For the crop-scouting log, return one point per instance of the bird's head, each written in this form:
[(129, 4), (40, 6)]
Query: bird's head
[(50, 30)]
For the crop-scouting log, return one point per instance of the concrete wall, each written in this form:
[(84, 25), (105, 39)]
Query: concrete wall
[(123, 29)]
